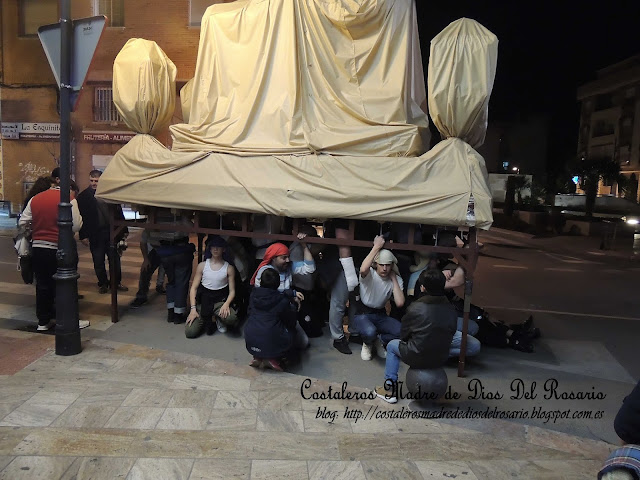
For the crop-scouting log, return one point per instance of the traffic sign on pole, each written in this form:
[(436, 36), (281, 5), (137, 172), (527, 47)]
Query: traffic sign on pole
[(86, 36)]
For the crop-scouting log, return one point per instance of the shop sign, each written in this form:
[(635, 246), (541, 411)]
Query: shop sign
[(107, 137), (30, 131)]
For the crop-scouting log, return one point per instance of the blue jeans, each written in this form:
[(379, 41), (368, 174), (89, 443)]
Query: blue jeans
[(370, 325), (392, 364), (178, 269), (338, 307), (472, 327), (473, 345)]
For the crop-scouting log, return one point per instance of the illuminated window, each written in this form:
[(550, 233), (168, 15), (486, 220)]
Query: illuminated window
[(35, 13), (113, 9), (104, 110)]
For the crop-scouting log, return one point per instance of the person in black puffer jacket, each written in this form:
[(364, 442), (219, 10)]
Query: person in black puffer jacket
[(272, 327), (426, 333)]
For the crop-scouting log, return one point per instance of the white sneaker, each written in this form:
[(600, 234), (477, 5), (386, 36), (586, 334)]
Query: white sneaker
[(366, 352), (221, 327), (83, 323), (44, 328), (380, 350), (386, 395)]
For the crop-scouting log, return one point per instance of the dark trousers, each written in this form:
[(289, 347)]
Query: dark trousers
[(178, 270), (45, 265), (147, 273), (99, 246)]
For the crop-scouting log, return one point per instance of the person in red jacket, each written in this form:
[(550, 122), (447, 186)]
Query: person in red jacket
[(42, 213)]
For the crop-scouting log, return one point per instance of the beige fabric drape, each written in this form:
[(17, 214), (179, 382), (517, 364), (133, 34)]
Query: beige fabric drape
[(431, 189), (311, 109), (340, 77), (185, 100), (462, 68), (144, 89)]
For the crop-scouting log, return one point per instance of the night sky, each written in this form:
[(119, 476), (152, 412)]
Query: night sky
[(545, 52)]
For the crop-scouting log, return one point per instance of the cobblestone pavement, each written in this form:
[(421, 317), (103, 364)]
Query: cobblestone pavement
[(124, 411), (120, 410)]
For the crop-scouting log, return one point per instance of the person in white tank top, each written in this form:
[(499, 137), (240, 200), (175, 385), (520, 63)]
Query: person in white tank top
[(217, 278)]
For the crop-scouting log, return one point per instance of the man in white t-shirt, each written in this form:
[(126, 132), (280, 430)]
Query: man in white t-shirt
[(379, 280)]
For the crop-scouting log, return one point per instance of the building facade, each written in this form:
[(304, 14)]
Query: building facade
[(610, 122), (29, 110)]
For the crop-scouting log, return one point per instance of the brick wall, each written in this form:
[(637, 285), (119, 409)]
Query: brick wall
[(24, 63), (26, 160)]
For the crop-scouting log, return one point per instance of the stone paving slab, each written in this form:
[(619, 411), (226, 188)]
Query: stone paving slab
[(17, 353), (125, 411)]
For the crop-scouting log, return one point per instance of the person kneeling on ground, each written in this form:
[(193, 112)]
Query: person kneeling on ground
[(379, 280), (217, 277), (427, 330), (455, 277), (272, 329)]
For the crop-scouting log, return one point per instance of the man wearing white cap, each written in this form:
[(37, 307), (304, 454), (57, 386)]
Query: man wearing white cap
[(379, 280)]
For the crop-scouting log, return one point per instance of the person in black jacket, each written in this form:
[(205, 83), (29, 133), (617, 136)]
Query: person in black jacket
[(426, 333), (272, 328), (95, 233)]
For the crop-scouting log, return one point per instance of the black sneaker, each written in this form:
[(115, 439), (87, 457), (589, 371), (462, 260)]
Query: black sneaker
[(138, 302), (209, 327), (355, 338), (122, 288), (521, 342), (103, 289), (179, 318), (170, 315), (161, 290), (342, 345)]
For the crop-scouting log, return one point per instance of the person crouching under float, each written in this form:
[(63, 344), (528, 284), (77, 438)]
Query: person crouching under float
[(217, 277), (272, 330)]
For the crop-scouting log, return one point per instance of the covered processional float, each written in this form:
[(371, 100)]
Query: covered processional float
[(311, 109)]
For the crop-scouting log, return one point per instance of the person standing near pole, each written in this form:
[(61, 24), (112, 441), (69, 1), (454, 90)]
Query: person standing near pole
[(95, 233), (42, 212)]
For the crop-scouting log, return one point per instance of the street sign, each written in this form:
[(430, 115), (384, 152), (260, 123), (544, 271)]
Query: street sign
[(86, 36)]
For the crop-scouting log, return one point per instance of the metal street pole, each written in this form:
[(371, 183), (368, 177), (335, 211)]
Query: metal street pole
[(67, 319)]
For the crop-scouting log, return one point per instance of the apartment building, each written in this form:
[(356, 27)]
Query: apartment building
[(610, 122), (29, 110)]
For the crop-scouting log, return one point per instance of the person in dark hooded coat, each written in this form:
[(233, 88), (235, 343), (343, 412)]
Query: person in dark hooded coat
[(270, 331)]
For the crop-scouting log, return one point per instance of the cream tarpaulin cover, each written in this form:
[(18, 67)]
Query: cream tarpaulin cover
[(310, 109)]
